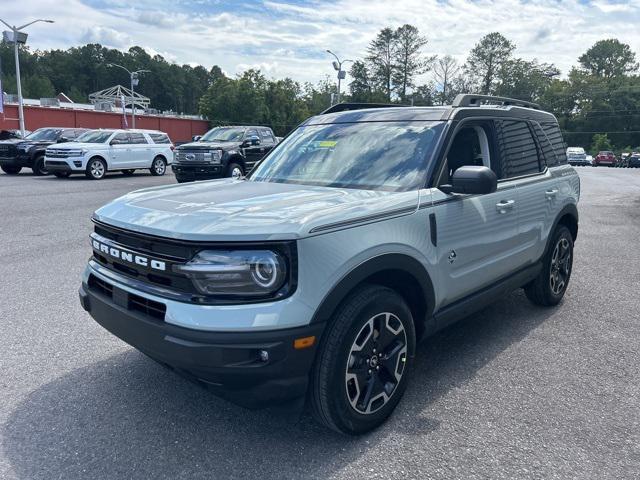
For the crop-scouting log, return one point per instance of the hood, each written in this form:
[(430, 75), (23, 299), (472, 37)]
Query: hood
[(11, 141), (77, 145), (243, 210), (208, 145), (26, 144)]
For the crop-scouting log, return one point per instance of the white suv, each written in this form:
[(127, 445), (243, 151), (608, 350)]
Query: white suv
[(98, 151)]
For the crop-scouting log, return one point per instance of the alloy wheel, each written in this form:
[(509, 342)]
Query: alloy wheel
[(376, 363), (159, 166), (560, 266), (97, 169), (236, 172)]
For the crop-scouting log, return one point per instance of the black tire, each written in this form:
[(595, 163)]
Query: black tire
[(94, 170), (62, 174), (551, 283), (38, 166), (336, 396), (158, 167), (128, 172), (10, 170), (233, 169)]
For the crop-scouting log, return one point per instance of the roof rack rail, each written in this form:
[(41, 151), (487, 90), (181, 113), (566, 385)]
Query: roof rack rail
[(472, 100), (343, 107)]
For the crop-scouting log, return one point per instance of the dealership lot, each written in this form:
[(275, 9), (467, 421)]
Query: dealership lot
[(515, 391)]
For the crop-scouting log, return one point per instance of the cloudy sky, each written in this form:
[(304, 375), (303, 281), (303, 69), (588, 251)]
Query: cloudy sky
[(289, 37)]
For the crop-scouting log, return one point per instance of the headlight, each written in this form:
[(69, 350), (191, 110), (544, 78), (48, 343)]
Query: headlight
[(254, 273), (216, 156)]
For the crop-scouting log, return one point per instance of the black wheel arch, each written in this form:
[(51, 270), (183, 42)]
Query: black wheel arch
[(402, 273), (235, 158), (568, 217)]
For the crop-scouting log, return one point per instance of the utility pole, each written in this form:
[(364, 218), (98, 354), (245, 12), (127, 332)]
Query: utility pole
[(18, 37), (134, 82), (337, 65)]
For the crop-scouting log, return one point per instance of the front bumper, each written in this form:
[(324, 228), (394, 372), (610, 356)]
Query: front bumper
[(197, 172), (64, 165), (231, 364), (10, 162)]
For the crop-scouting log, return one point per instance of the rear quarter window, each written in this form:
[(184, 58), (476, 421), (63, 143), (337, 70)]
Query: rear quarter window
[(552, 130), (518, 149), (160, 138)]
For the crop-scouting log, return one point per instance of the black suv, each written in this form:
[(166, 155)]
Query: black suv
[(222, 152), (15, 154)]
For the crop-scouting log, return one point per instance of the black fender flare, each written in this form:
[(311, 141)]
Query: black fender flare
[(568, 210), (385, 262)]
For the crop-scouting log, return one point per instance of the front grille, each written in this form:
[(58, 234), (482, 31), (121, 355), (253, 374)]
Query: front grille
[(51, 153), (196, 157), (148, 307), (132, 301), (100, 286), (8, 150)]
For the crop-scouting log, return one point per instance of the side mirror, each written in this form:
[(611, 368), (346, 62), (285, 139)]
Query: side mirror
[(63, 140), (472, 179), (252, 141), (196, 138)]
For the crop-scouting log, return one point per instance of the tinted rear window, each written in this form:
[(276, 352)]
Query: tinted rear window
[(555, 137), (518, 149), (159, 138)]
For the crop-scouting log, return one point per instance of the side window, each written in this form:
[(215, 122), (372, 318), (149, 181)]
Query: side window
[(250, 133), (548, 151), (137, 138), (470, 146), (69, 134), (518, 149), (120, 139), (552, 129), (265, 136), (159, 138)]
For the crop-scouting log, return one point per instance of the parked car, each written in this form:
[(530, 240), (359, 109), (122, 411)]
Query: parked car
[(577, 156), (606, 158), (634, 160), (361, 232), (222, 152), (590, 160), (29, 152), (98, 151), (10, 134)]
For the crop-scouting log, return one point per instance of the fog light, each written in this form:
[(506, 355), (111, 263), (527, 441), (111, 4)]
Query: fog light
[(77, 164), (264, 355)]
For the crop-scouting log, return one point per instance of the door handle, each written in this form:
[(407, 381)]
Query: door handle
[(505, 205), (550, 194)]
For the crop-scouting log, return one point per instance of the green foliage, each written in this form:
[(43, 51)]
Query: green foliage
[(486, 60), (609, 58), (600, 142)]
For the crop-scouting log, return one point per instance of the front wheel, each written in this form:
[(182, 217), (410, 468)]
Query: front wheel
[(158, 167), (235, 171), (363, 361), (96, 169), (38, 166), (550, 285), (11, 170)]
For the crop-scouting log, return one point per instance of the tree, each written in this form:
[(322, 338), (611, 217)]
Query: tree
[(486, 60), (408, 59), (381, 55), (525, 80), (600, 142), (445, 70), (609, 58)]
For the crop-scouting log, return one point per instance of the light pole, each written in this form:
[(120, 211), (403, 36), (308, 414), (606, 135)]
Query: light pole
[(134, 82), (20, 37), (337, 65)]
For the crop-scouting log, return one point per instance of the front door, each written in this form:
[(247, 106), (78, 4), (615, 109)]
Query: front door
[(476, 233), (121, 155), (253, 153)]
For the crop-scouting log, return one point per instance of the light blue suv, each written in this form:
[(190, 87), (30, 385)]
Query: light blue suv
[(363, 231)]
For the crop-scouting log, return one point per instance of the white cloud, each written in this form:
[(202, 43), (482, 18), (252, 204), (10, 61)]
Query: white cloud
[(288, 39)]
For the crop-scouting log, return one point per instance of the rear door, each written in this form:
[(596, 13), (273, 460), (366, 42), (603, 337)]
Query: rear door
[(523, 165), (141, 151)]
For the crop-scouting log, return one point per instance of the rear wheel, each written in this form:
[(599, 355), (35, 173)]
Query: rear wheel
[(363, 362), (158, 167), (96, 169), (9, 170), (551, 283), (38, 166)]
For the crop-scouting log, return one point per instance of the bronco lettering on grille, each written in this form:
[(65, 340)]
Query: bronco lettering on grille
[(129, 257)]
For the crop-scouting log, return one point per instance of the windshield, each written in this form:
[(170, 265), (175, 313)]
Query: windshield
[(96, 136), (223, 134), (373, 156), (45, 134)]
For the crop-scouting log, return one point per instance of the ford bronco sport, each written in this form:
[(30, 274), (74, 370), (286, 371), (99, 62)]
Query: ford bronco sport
[(363, 231)]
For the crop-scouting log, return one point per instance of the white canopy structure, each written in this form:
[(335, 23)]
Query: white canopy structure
[(115, 95)]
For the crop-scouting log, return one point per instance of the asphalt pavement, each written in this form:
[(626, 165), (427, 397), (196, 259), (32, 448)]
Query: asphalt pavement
[(516, 391)]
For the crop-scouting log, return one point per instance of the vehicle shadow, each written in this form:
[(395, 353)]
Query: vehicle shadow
[(127, 417)]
